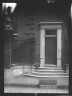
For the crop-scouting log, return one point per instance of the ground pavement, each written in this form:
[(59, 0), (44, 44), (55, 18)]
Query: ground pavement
[(11, 89)]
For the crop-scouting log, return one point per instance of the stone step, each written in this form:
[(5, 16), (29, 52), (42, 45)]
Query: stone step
[(50, 65), (52, 80), (49, 68), (49, 71), (46, 76), (50, 74)]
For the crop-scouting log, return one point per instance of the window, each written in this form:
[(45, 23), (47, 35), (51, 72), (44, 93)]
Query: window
[(51, 32)]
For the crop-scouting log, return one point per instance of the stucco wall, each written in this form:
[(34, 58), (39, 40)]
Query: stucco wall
[(27, 21), (65, 44), (22, 28)]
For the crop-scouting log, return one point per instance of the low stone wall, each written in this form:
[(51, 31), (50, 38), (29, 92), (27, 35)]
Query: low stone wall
[(18, 70), (15, 76)]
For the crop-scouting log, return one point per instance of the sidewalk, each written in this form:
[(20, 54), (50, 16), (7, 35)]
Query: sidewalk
[(32, 90)]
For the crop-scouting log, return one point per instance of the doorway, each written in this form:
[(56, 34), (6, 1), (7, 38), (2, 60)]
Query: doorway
[(50, 44)]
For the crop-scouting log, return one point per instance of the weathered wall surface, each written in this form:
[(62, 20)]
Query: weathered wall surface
[(30, 24), (27, 27), (65, 44)]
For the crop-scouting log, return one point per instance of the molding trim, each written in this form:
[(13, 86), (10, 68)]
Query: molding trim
[(52, 26)]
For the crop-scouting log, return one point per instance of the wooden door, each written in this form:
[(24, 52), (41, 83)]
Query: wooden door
[(51, 48)]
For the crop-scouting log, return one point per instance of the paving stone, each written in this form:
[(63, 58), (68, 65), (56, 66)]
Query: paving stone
[(33, 90)]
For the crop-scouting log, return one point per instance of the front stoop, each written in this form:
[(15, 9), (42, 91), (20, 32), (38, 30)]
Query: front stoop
[(41, 78), (52, 78)]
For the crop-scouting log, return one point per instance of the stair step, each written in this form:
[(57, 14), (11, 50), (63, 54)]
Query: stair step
[(50, 65), (50, 74), (48, 68), (50, 71), (54, 76)]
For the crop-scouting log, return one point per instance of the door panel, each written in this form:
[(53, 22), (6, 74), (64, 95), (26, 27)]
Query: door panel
[(51, 50)]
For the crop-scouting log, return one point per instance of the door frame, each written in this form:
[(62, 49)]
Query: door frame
[(43, 27)]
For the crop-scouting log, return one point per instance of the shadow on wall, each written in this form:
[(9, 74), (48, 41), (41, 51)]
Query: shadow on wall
[(65, 46)]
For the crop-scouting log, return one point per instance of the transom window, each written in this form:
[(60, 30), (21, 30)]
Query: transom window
[(50, 32)]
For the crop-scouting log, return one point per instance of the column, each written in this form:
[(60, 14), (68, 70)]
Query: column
[(59, 48), (42, 47)]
